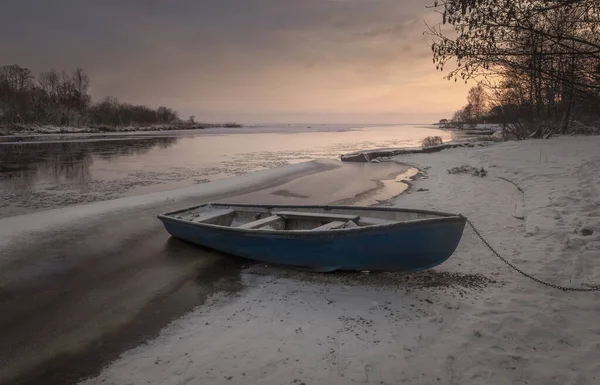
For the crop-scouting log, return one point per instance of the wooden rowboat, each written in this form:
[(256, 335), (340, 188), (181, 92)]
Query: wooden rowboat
[(322, 238)]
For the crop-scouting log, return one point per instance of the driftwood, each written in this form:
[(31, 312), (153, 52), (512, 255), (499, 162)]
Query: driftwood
[(370, 155), (479, 132)]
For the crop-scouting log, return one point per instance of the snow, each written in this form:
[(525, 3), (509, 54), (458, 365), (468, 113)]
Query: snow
[(489, 126), (288, 327)]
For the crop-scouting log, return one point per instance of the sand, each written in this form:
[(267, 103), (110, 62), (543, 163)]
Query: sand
[(472, 320)]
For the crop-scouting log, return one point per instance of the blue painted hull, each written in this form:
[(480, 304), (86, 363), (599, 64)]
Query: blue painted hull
[(410, 246)]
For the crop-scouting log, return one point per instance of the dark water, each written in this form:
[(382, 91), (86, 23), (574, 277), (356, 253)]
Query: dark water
[(216, 274), (47, 172), (25, 166)]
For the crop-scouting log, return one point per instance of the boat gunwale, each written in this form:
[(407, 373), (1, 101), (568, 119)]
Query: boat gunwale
[(442, 218)]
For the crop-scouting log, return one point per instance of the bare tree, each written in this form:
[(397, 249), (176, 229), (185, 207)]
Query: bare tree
[(477, 99), (15, 84), (166, 115), (547, 49), (17, 78), (81, 84), (81, 81), (49, 82)]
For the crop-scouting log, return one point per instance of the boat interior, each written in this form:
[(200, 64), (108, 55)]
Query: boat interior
[(296, 218)]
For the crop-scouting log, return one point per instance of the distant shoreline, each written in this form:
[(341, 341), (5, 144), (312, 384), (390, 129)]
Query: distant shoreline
[(18, 129)]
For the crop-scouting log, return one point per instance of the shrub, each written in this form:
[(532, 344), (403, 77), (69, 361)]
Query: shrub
[(432, 141)]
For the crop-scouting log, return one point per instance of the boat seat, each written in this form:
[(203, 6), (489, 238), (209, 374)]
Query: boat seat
[(318, 216), (216, 217), (330, 226), (275, 221), (370, 221)]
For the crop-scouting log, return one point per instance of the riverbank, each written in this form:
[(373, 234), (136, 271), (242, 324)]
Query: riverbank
[(472, 320), (24, 129)]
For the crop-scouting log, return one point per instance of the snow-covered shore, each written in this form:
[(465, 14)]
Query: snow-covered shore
[(50, 129), (471, 321)]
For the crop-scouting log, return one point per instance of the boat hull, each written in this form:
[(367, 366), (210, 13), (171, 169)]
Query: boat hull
[(410, 246)]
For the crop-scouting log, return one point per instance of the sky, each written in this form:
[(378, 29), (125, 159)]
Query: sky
[(271, 61)]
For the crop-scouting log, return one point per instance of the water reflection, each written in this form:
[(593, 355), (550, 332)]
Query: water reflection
[(22, 166), (39, 174)]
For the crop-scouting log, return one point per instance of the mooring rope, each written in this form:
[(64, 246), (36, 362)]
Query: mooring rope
[(564, 288)]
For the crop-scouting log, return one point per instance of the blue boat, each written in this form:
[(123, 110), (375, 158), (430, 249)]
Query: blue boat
[(322, 238)]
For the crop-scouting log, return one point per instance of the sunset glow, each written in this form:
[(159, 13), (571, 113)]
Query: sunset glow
[(250, 61)]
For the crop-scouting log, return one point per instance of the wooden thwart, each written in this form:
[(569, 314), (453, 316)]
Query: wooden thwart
[(330, 226), (370, 221), (214, 217), (318, 216), (274, 221)]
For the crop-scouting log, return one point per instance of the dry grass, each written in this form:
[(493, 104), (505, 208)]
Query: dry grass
[(432, 141), (467, 169)]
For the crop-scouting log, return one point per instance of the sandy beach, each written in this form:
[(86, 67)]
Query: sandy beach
[(473, 320)]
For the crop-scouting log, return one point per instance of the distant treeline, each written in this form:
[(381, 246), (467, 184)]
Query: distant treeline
[(539, 61), (62, 99)]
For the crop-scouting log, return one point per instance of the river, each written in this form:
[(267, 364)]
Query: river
[(41, 172)]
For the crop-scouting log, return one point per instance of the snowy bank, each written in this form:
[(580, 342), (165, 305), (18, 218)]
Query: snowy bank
[(471, 321)]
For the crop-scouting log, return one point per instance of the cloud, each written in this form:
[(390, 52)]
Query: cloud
[(237, 58)]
